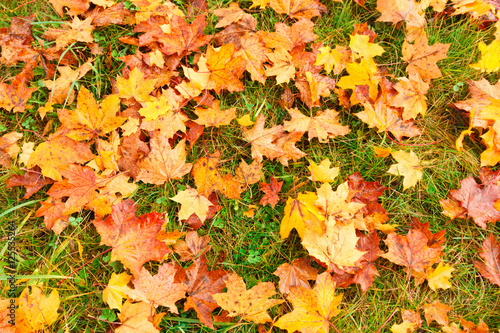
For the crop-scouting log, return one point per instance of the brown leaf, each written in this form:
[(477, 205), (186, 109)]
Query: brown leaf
[(131, 151), (490, 253), (116, 14), (411, 251), (478, 200), (262, 140), (436, 311), (133, 238), (271, 192), (16, 95), (163, 163), (433, 240), (194, 246), (287, 99), (75, 7), (159, 289), (297, 273), (248, 173), (202, 284), (32, 181)]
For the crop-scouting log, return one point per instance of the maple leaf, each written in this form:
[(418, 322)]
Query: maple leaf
[(411, 96), (422, 57), (362, 47), (298, 8), (408, 166), (313, 308), (324, 125), (282, 68), (132, 150), (89, 120), (271, 192), (133, 238), (163, 163), (194, 246), (479, 201), (136, 86), (79, 31), (254, 52), (295, 274), (75, 7), (252, 304), (54, 219), (225, 69), (337, 246), (248, 173), (79, 189), (490, 253), (136, 318), (322, 172), (192, 203), (439, 277), (155, 108), (411, 251), (436, 311), (16, 95), (116, 290), (208, 178), (490, 59), (362, 73), (214, 116), (228, 15), (401, 10), (62, 87), (301, 214), (334, 60), (32, 181), (262, 140), (337, 207), (8, 147), (159, 289), (386, 118), (411, 321), (36, 310), (184, 37), (287, 142), (114, 14), (366, 271), (202, 284), (54, 156)]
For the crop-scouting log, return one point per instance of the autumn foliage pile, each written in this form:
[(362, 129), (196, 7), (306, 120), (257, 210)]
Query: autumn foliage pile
[(166, 102)]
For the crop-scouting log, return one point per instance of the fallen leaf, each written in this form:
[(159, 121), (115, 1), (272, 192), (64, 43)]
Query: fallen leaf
[(192, 203), (132, 238), (436, 311), (252, 304), (301, 214), (136, 317), (271, 191), (298, 8), (408, 166), (36, 310), (322, 172), (490, 59), (490, 253), (116, 290), (313, 308), (295, 274)]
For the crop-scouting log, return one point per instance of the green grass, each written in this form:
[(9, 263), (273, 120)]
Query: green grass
[(252, 247)]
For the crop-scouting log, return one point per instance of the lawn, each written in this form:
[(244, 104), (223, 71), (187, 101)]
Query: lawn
[(122, 107)]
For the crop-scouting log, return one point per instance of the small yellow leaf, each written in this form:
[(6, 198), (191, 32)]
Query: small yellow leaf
[(382, 152), (156, 59), (439, 278), (408, 166), (245, 120), (116, 290), (323, 173)]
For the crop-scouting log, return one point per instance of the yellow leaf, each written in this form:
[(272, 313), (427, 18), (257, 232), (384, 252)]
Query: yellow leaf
[(136, 317), (490, 57), (382, 152), (116, 290), (335, 247), (135, 86), (323, 173), (313, 308), (192, 203), (335, 59), (155, 108), (362, 73), (249, 304), (301, 213), (282, 68), (214, 116), (408, 166), (36, 310), (156, 59), (439, 278), (245, 120), (361, 46)]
